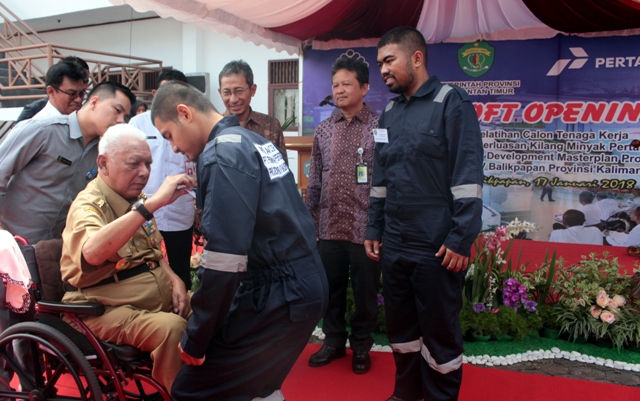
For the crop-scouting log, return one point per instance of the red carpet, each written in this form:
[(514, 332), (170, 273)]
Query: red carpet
[(336, 382)]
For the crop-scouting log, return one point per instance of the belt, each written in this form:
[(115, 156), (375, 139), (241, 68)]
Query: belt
[(122, 275)]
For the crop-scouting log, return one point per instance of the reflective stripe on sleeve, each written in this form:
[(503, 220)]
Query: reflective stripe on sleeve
[(405, 348), (232, 138), (467, 191), (443, 92), (378, 192), (444, 368), (223, 262)]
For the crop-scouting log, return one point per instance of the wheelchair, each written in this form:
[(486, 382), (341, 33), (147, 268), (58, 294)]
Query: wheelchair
[(63, 361)]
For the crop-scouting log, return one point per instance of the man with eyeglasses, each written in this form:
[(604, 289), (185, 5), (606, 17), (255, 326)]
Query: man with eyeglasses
[(237, 89), (44, 163), (55, 78)]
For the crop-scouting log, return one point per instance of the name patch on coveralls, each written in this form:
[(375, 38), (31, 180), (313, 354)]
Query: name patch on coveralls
[(273, 160)]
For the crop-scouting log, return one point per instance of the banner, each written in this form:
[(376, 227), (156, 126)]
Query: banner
[(560, 115)]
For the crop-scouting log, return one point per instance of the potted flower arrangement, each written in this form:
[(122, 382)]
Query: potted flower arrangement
[(517, 316), (593, 302), (484, 277)]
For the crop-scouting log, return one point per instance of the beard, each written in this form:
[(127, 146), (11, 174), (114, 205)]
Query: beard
[(401, 86)]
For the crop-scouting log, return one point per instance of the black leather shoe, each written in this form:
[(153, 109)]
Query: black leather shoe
[(325, 355), (361, 362)]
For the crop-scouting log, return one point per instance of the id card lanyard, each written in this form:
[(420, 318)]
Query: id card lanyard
[(362, 172)]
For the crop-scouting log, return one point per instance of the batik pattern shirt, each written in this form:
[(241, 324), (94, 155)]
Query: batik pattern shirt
[(337, 204)]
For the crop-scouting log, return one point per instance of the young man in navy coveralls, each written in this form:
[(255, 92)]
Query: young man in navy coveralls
[(426, 207), (262, 285)]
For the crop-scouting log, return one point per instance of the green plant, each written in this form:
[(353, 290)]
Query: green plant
[(548, 318), (484, 323), (534, 321), (541, 281), (512, 323), (595, 300), (289, 122)]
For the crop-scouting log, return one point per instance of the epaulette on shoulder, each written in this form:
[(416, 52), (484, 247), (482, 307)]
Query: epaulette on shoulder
[(100, 206)]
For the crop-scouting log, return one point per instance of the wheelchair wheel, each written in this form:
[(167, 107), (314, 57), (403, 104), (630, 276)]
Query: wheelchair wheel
[(48, 365)]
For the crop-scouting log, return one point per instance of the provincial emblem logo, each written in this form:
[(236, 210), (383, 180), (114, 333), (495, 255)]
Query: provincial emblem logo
[(476, 58)]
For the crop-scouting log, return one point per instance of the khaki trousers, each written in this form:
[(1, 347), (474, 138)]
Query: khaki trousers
[(139, 313)]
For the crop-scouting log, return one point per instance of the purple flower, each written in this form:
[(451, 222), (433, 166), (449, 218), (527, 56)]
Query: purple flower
[(530, 306), (380, 300), (479, 307)]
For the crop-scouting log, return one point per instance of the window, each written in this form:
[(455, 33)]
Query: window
[(284, 93)]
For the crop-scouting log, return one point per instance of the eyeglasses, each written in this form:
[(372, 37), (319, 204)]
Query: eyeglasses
[(71, 94), (237, 91)]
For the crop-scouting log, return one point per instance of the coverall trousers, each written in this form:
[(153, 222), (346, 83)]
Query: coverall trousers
[(422, 302), (268, 326)]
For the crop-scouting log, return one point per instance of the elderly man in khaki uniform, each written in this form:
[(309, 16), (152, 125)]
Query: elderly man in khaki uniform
[(111, 254)]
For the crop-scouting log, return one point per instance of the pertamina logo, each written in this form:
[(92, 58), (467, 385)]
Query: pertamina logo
[(476, 58), (580, 60)]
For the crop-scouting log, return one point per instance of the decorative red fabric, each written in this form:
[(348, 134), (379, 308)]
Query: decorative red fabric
[(354, 19), (580, 16)]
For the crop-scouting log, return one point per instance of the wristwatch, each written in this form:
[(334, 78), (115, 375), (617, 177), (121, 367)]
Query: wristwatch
[(139, 207)]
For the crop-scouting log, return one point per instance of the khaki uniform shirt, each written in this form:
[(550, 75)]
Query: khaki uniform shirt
[(95, 207)]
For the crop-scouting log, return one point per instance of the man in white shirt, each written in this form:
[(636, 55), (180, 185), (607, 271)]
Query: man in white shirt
[(66, 89), (624, 239), (592, 212), (607, 205), (575, 232), (175, 221)]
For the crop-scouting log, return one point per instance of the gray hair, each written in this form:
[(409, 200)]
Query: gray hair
[(113, 138), (237, 67)]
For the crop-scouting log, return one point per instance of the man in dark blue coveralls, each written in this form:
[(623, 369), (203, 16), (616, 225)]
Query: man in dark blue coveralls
[(426, 207), (262, 284)]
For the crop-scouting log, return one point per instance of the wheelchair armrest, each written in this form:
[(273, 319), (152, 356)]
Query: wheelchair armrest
[(87, 308)]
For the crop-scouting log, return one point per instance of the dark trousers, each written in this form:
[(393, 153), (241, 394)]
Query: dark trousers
[(268, 326), (422, 304), (339, 258), (547, 191), (179, 245)]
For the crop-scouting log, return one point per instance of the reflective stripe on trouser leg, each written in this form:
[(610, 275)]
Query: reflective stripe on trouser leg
[(405, 348), (443, 368), (275, 396), (418, 346)]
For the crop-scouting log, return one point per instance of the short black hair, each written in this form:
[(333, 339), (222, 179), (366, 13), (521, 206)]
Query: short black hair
[(352, 64), (573, 217), (57, 72), (173, 93), (108, 89), (171, 75), (586, 197), (74, 59), (409, 39), (237, 67)]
